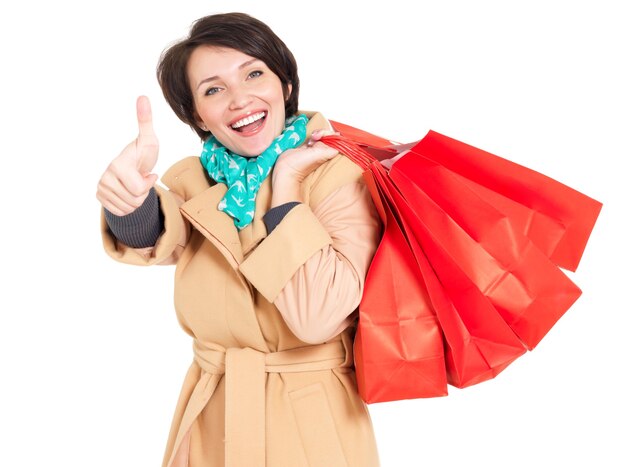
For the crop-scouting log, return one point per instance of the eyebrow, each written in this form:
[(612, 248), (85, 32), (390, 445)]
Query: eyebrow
[(212, 78)]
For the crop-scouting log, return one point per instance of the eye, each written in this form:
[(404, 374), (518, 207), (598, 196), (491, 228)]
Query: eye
[(255, 74), (211, 91)]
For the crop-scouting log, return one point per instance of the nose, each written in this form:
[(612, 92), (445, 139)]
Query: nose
[(240, 98)]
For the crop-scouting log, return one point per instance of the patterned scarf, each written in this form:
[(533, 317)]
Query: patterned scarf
[(243, 175)]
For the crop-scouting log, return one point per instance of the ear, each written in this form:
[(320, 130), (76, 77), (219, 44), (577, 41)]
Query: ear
[(198, 121)]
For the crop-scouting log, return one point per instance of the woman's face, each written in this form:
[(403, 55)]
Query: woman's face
[(237, 98)]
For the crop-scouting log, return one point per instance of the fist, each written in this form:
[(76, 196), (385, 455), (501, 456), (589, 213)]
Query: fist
[(294, 165)]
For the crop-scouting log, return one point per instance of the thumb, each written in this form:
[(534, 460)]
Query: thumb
[(144, 117), (147, 144), (147, 155)]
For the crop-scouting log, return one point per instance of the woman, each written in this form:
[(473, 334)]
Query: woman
[(272, 233)]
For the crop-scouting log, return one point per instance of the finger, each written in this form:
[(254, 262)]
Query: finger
[(328, 153), (120, 201), (111, 188), (144, 117), (121, 180), (138, 185), (318, 135), (111, 198), (321, 152), (114, 205)]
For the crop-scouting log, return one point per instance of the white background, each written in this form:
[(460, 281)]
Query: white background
[(91, 355)]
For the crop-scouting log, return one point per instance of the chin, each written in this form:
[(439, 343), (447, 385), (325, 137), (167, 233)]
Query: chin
[(255, 149)]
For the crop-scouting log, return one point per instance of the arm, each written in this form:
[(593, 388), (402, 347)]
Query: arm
[(133, 205), (172, 237), (320, 300), (142, 227), (313, 264)]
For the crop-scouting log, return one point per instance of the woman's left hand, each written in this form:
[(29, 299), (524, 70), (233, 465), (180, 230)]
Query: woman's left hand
[(293, 166)]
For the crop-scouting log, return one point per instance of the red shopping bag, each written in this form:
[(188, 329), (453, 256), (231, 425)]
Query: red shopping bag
[(398, 347), (478, 342), (557, 218), (484, 261), (529, 291)]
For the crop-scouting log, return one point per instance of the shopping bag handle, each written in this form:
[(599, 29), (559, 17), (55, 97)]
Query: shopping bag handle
[(361, 154)]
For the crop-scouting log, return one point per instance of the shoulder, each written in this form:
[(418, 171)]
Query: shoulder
[(187, 177), (329, 177)]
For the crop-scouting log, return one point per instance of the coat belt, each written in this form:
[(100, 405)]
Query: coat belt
[(244, 371)]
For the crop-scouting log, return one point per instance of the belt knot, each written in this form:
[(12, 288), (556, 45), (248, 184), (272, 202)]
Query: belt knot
[(244, 372)]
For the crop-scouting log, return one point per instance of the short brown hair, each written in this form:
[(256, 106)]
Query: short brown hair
[(237, 31)]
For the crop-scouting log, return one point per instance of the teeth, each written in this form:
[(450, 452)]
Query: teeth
[(248, 120)]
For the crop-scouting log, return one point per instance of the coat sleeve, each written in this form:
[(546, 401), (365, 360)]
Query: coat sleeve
[(321, 299), (334, 243), (168, 246)]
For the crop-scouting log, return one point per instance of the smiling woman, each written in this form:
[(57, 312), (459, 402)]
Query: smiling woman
[(271, 238)]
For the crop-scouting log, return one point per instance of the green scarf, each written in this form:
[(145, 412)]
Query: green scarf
[(243, 175)]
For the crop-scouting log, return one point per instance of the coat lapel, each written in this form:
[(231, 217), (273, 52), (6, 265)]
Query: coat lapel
[(252, 234), (217, 226)]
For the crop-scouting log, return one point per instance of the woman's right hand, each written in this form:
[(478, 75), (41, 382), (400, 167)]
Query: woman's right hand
[(126, 182)]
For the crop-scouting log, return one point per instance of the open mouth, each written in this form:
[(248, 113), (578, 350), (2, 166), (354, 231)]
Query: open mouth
[(250, 123)]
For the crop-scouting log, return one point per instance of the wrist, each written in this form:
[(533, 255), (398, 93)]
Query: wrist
[(286, 192)]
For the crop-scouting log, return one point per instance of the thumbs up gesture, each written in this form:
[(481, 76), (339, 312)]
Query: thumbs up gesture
[(125, 183)]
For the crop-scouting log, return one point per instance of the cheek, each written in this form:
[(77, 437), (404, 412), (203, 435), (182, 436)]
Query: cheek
[(273, 93), (208, 114)]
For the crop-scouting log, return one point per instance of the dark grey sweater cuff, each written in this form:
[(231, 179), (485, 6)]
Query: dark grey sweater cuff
[(273, 217), (142, 227)]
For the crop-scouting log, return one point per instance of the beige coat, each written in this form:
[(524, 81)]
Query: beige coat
[(272, 320)]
